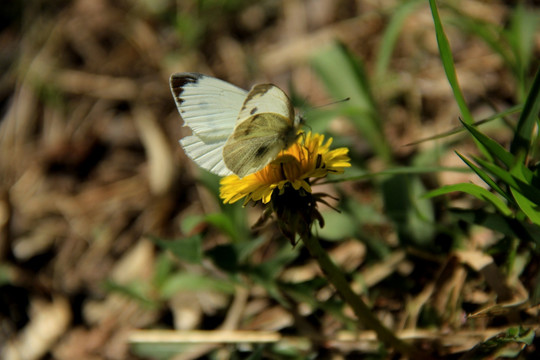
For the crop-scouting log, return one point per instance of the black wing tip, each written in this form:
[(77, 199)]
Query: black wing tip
[(179, 80)]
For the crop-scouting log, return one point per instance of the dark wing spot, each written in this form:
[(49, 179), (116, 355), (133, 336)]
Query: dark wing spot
[(256, 91), (261, 151), (181, 79), (253, 111), (248, 128), (260, 89), (178, 81)]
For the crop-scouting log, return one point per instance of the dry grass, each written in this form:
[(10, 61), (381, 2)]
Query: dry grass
[(89, 165)]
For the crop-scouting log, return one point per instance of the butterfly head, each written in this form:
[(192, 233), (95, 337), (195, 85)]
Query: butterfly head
[(299, 120)]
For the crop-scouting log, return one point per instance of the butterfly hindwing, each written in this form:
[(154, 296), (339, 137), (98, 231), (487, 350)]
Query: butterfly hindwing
[(255, 142), (265, 127)]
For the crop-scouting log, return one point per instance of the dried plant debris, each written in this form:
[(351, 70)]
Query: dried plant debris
[(91, 174)]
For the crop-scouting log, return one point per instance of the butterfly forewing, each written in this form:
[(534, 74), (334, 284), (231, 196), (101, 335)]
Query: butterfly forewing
[(207, 154), (209, 106), (266, 98)]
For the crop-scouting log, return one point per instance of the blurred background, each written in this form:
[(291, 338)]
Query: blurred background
[(106, 226)]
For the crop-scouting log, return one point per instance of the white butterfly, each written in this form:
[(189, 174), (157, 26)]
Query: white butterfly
[(234, 131)]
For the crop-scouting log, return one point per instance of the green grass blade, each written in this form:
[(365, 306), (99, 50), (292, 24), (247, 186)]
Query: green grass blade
[(411, 213), (136, 290), (493, 147), (528, 118), (523, 197), (448, 63), (187, 249), (184, 281), (524, 23), (485, 177), (529, 207), (529, 191), (457, 130), (344, 77), (474, 190), (391, 34), (489, 32), (503, 224)]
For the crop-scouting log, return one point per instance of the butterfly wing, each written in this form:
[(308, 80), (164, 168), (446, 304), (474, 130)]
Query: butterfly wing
[(210, 108), (265, 127), (207, 154), (254, 143), (266, 98)]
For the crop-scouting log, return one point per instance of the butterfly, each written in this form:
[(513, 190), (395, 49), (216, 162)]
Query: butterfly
[(234, 131)]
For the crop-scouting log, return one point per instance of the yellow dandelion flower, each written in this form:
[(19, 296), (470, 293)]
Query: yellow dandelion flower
[(309, 158)]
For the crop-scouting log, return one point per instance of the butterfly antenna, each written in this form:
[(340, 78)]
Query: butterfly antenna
[(333, 103), (330, 104)]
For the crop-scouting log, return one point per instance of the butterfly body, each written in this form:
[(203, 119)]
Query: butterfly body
[(234, 131)]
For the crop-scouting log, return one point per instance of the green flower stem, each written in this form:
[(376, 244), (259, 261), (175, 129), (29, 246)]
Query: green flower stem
[(362, 311)]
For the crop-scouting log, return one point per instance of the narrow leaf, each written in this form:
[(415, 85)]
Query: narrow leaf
[(193, 282), (529, 191), (497, 222), (459, 129), (494, 148), (391, 34), (528, 118), (476, 191), (485, 177), (448, 63), (188, 249), (523, 198), (344, 77), (527, 206)]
